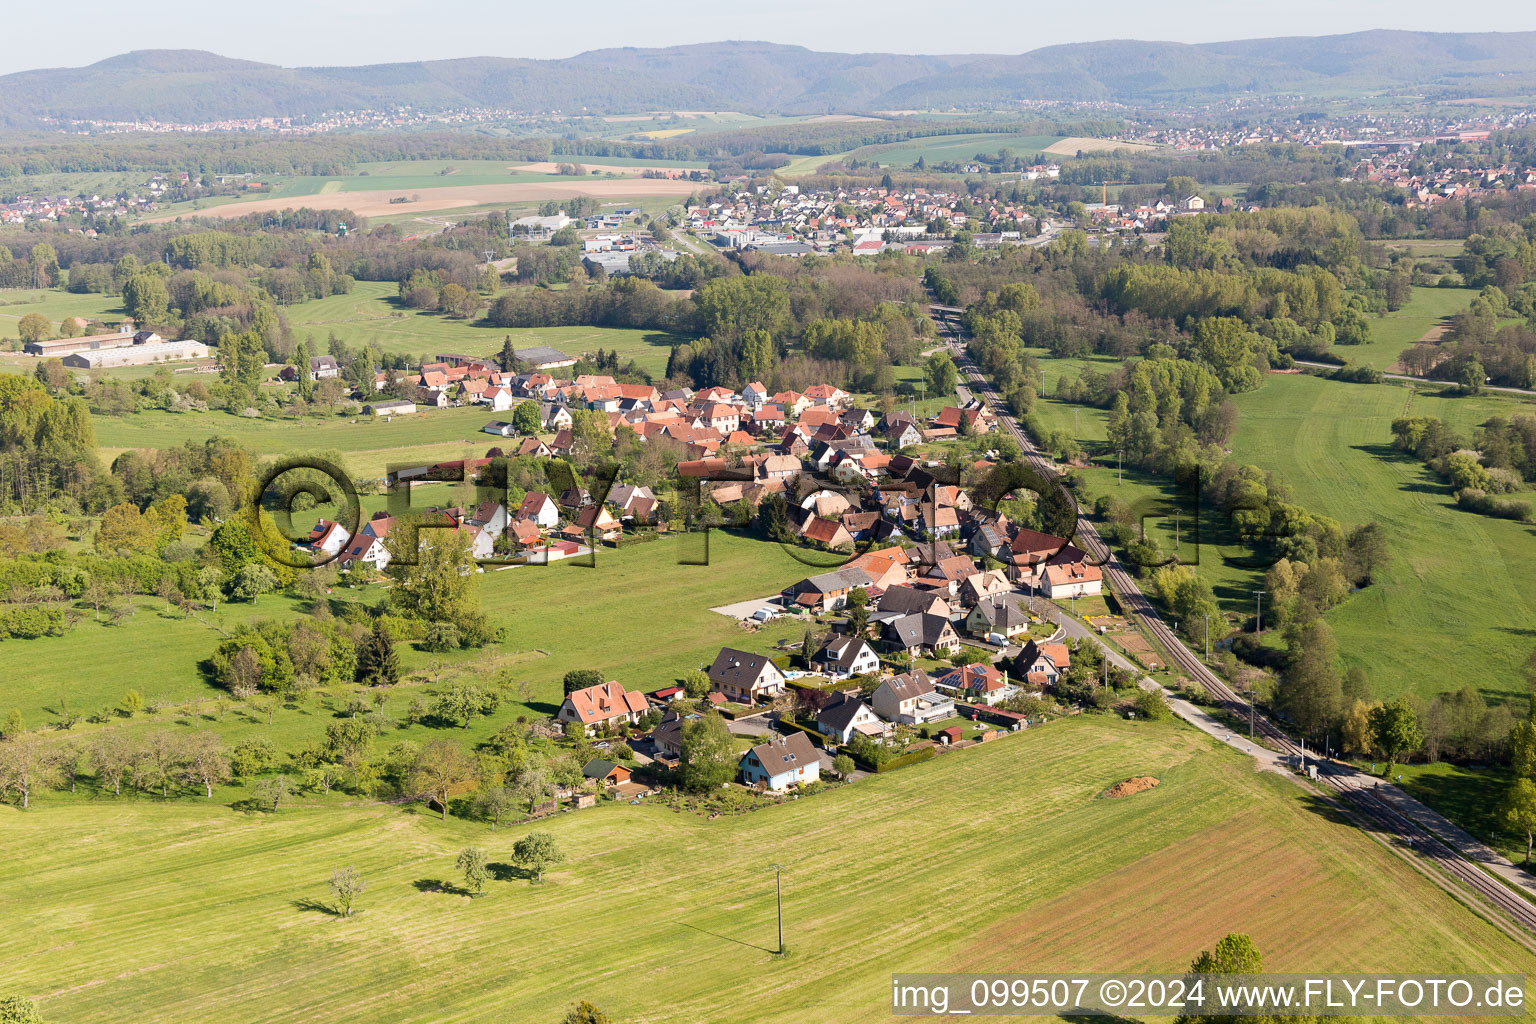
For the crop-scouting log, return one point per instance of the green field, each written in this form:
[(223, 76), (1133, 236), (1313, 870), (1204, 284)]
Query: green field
[(370, 315), (367, 315), (639, 617), (369, 443), (1396, 331), (187, 911), (1456, 605)]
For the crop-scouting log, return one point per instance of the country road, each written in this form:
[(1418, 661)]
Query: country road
[(1432, 842), (1421, 380)]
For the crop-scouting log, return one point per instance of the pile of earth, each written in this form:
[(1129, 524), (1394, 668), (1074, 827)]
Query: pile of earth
[(1130, 787)]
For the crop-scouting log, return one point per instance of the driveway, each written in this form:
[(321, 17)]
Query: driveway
[(745, 609)]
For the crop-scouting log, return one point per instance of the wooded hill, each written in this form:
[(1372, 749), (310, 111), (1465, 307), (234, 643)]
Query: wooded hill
[(192, 85)]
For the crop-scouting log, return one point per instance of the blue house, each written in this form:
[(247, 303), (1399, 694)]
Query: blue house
[(782, 762)]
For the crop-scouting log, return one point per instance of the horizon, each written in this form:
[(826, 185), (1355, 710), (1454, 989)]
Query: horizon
[(337, 38)]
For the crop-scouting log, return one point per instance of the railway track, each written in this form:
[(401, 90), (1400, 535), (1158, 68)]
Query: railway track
[(1351, 788)]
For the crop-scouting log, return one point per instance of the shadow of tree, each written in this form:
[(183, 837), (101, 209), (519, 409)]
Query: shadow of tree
[(438, 885), (315, 907), (509, 872)]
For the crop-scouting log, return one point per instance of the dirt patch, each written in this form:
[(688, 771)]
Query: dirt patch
[(1435, 333), (1075, 144), (1134, 642), (1130, 787), (377, 204)]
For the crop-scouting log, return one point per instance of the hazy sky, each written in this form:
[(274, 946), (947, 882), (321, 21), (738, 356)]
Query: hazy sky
[(299, 32)]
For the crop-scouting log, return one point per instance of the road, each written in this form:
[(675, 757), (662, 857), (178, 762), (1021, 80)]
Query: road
[(1419, 380), (1385, 811)]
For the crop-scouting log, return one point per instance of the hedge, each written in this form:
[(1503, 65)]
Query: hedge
[(924, 754), (787, 723)]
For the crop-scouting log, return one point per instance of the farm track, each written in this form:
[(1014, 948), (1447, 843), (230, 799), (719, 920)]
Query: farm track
[(1351, 789)]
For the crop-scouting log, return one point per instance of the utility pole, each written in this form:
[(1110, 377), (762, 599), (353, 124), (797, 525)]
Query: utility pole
[(778, 891), (1177, 513), (1119, 468), (1207, 637), (1258, 619)]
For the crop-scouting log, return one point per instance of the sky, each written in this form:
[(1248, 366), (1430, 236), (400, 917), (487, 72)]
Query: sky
[(310, 32)]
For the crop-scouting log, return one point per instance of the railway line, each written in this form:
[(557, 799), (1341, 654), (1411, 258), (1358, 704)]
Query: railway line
[(1351, 788)]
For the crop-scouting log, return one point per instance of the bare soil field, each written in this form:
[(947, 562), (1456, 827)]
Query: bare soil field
[(1075, 144), (377, 203)]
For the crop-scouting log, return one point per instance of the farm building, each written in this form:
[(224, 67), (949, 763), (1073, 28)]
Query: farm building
[(391, 407), (542, 357), (137, 354)]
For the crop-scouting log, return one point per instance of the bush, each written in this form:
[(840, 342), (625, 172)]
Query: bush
[(440, 637), (1153, 704), (1474, 499)]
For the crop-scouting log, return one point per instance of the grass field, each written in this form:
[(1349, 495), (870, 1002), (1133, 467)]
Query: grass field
[(638, 617), (1396, 331), (370, 444), (370, 315), (187, 911), (1457, 603)]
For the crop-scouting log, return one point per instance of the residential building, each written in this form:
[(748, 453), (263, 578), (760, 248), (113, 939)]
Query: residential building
[(910, 699), (745, 678), (846, 714), (605, 704), (844, 656), (921, 635), (782, 762)]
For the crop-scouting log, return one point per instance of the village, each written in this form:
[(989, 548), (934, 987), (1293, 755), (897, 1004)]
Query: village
[(940, 628)]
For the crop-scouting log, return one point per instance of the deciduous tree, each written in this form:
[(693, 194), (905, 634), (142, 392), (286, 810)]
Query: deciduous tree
[(537, 850)]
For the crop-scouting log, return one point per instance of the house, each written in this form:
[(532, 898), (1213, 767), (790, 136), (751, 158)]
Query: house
[(782, 762), (828, 590), (997, 614), (605, 772), (554, 417), (498, 398), (525, 534), (921, 634), (910, 699), (846, 714), (1041, 664), (978, 684), (754, 394), (827, 395), (368, 545), (1072, 579), (911, 601), (499, 427), (605, 704), (844, 656), (323, 367), (328, 538), (886, 567), (745, 678), (900, 430), (598, 521), (540, 509), (982, 585), (534, 447), (489, 516), (667, 737)]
